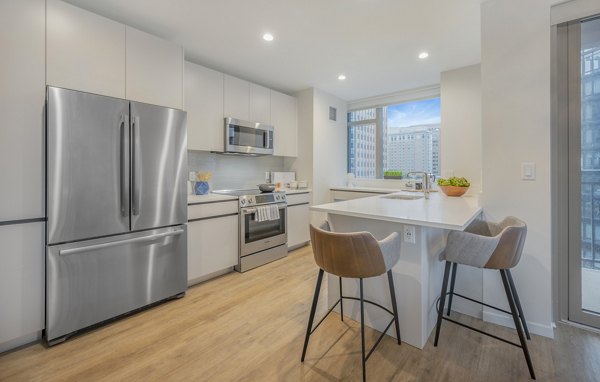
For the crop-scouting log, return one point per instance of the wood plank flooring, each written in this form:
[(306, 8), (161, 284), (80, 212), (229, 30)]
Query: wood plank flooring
[(250, 327)]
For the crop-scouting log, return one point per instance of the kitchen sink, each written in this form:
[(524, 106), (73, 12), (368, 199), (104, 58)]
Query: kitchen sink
[(403, 197)]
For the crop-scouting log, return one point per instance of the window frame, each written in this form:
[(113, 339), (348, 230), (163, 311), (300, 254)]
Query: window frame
[(379, 103)]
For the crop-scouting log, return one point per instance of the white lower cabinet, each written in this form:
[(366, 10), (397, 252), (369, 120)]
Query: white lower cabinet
[(298, 219), (212, 246), (21, 283)]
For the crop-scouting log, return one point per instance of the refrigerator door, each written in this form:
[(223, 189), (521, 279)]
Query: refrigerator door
[(88, 165), (158, 166), (92, 281)]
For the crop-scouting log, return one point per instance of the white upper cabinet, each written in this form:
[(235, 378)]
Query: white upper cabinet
[(22, 97), (237, 98), (154, 70), (204, 105), (84, 51), (284, 118), (260, 104)]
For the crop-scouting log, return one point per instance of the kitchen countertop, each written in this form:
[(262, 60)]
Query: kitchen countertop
[(209, 198), (297, 191), (440, 211), (375, 190), (213, 198)]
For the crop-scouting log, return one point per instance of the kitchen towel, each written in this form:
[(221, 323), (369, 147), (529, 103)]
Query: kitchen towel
[(265, 213)]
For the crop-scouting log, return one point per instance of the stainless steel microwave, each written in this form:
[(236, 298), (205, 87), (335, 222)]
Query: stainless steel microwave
[(252, 138)]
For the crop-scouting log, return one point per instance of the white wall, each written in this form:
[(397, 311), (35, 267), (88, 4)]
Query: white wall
[(574, 9), (322, 145), (515, 73), (330, 143), (460, 92)]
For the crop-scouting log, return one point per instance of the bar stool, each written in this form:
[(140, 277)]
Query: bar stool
[(354, 255), (491, 246)]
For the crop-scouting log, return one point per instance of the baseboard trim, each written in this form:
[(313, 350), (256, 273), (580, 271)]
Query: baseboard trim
[(507, 321)]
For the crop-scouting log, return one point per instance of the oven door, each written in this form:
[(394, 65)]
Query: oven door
[(258, 236), (248, 137)]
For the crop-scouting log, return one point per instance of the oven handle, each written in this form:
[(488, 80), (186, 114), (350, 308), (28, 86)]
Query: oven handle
[(247, 211)]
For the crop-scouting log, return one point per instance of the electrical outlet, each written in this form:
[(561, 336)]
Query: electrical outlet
[(409, 234)]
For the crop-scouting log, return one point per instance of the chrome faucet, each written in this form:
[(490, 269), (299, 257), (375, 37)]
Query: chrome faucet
[(426, 181)]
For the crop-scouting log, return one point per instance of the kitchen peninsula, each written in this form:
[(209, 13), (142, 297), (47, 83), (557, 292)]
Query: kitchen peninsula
[(423, 224)]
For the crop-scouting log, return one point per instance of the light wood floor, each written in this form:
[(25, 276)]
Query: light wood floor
[(250, 327)]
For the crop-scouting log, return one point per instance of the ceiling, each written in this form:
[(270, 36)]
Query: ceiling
[(375, 43)]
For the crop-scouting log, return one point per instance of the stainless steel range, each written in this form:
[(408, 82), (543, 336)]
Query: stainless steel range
[(263, 227)]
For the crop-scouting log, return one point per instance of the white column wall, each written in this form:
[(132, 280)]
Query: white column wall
[(515, 72)]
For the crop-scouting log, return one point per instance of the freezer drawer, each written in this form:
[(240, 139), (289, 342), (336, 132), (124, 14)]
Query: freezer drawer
[(92, 281)]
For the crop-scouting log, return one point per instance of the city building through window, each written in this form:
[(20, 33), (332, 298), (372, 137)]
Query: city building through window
[(384, 141)]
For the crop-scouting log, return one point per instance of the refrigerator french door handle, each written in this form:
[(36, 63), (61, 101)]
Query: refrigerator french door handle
[(73, 251), (135, 184), (124, 131)]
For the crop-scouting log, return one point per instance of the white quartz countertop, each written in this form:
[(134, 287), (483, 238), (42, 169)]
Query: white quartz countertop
[(377, 190), (209, 198), (297, 191), (213, 198), (440, 211)]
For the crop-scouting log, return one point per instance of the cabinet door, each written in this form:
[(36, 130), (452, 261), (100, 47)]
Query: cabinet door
[(237, 98), (298, 221), (212, 245), (285, 123), (84, 51), (22, 96), (204, 105), (154, 70), (21, 281), (260, 104)]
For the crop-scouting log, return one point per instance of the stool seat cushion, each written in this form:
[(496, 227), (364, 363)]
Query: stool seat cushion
[(486, 244), (354, 255)]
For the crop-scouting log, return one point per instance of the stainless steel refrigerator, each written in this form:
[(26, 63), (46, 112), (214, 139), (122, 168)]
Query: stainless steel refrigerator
[(116, 208)]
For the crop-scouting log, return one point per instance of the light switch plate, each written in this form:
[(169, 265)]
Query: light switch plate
[(409, 234), (528, 171)]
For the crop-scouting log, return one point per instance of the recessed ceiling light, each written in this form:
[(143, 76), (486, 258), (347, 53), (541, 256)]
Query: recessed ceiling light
[(268, 37), (341, 77), (423, 55)]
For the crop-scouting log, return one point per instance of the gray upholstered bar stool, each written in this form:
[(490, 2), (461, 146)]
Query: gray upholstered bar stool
[(355, 255), (491, 246)]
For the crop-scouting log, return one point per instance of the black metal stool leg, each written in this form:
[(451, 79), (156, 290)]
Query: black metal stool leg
[(442, 302), (341, 301), (513, 310), (518, 302), (362, 331), (394, 305), (313, 309), (452, 281)]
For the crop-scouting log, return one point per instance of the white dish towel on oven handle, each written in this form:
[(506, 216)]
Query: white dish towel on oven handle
[(266, 213)]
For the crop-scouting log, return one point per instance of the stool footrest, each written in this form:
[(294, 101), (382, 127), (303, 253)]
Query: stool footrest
[(478, 302), (482, 332), (357, 299)]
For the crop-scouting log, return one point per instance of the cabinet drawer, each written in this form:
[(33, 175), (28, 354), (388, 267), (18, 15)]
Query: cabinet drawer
[(298, 198), (199, 211)]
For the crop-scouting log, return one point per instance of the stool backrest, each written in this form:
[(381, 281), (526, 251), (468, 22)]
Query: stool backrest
[(512, 233), (354, 255)]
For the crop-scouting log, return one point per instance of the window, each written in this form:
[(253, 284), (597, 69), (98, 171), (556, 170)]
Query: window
[(404, 137)]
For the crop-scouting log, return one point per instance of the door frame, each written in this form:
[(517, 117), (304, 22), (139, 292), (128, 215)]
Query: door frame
[(566, 185)]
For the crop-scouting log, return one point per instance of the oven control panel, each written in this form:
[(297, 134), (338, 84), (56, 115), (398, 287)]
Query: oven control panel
[(266, 198)]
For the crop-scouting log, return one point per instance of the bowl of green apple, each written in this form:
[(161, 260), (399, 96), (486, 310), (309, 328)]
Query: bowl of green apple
[(454, 186)]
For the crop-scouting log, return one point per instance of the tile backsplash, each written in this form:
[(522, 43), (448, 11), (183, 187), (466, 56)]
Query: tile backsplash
[(233, 171)]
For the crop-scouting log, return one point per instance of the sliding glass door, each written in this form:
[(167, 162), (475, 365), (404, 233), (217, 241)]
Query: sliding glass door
[(579, 97)]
